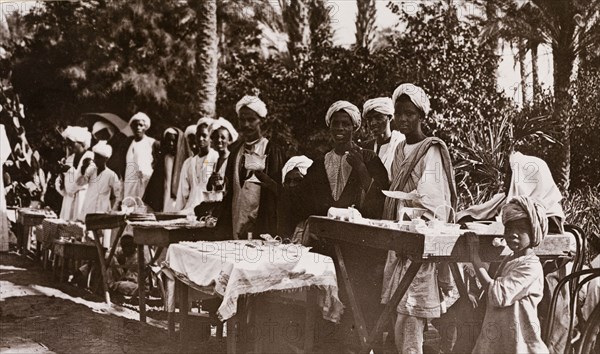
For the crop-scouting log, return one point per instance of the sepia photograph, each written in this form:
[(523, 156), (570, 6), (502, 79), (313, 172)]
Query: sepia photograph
[(300, 176)]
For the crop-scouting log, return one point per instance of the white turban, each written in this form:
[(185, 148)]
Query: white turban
[(383, 105), (79, 135), (191, 130), (254, 103), (141, 116), (205, 120), (527, 208), (99, 125), (224, 123), (102, 149), (302, 163), (416, 94), (170, 131), (347, 107)]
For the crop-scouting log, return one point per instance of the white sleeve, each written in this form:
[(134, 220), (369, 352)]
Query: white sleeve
[(183, 192)]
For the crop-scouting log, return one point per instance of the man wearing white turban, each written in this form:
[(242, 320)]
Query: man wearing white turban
[(416, 95), (222, 135), (422, 167), (161, 192), (254, 103), (139, 157), (190, 138), (78, 140), (104, 187), (296, 163), (253, 176), (515, 292), (346, 176), (379, 113)]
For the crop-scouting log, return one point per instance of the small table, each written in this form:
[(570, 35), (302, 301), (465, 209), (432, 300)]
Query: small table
[(28, 218), (358, 247), (237, 270), (105, 221), (161, 234), (66, 251)]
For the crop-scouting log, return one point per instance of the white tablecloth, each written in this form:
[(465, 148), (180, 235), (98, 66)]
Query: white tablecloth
[(230, 269)]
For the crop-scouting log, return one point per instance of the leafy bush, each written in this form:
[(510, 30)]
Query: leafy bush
[(585, 130), (582, 208)]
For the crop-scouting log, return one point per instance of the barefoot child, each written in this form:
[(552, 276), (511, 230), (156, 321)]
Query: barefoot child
[(511, 323)]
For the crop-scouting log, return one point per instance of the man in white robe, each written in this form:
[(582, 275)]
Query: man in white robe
[(103, 186), (79, 139), (379, 113), (422, 167), (196, 170), (139, 158)]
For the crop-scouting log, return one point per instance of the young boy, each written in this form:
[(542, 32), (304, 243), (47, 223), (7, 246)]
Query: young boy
[(103, 185), (123, 269), (511, 323), (196, 170)]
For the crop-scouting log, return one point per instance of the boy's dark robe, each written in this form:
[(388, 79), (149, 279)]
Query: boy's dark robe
[(268, 207), (315, 193)]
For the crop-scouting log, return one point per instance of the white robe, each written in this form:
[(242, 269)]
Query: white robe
[(169, 203), (511, 324), (428, 179), (193, 180), (97, 198), (387, 152), (139, 159), (4, 153), (73, 193)]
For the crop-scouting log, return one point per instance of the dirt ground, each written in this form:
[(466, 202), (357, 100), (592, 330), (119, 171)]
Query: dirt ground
[(41, 315)]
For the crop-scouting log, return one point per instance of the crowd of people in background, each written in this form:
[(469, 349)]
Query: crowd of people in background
[(264, 191)]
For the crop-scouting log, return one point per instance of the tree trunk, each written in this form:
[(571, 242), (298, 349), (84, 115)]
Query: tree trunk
[(537, 88), (564, 57), (207, 57), (522, 53), (296, 17), (365, 23)]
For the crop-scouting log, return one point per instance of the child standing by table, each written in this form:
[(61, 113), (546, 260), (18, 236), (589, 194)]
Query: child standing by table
[(511, 323)]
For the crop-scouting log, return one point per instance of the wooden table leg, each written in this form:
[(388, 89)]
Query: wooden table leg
[(103, 265), (115, 243), (232, 334), (309, 320), (141, 283), (390, 307), (459, 281), (182, 289), (62, 269), (27, 233), (171, 324), (359, 319)]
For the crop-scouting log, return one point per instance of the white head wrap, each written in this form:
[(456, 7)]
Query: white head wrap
[(208, 121), (99, 125), (190, 130), (347, 107), (170, 131), (102, 149), (78, 135), (527, 208), (383, 105), (302, 163), (224, 123), (254, 103), (416, 94), (141, 116)]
